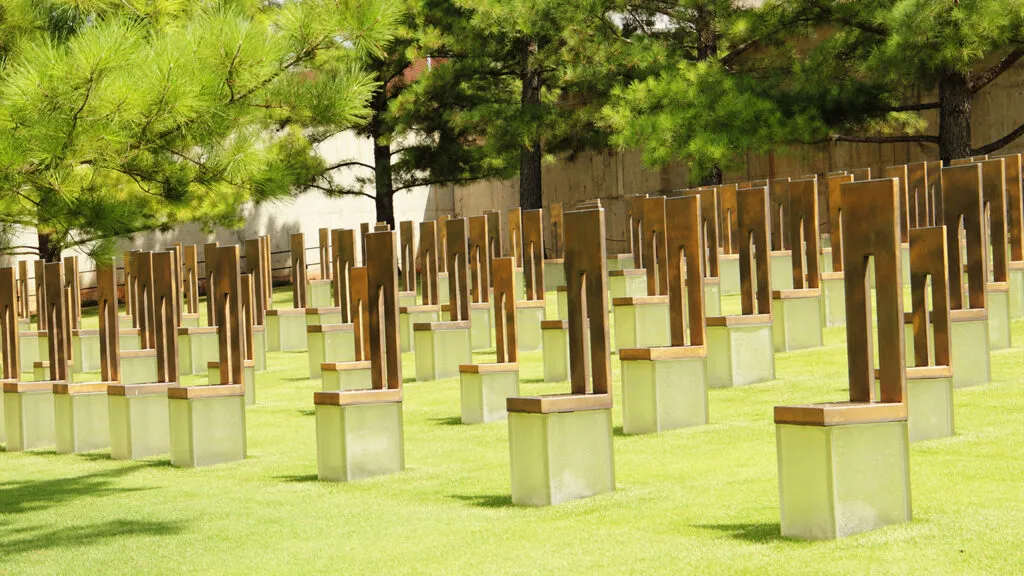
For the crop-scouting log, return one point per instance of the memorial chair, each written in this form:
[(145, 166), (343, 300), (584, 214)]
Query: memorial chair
[(740, 350), (997, 288), (561, 445), (1015, 232), (207, 423), (969, 335), (833, 287), (844, 467), (441, 347), (408, 279), (485, 387), (360, 433), (643, 321), (666, 387), (554, 267), (429, 309), (778, 219), (796, 313)]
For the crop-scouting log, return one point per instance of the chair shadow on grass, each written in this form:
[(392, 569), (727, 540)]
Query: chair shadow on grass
[(307, 411), (104, 456), (25, 540), (485, 500), (29, 496), (448, 421), (761, 532), (299, 478)]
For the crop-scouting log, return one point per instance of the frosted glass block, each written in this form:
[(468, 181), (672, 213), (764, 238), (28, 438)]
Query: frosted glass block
[(481, 327), (1016, 293), (930, 408), (554, 275), (796, 324), (29, 420), (130, 341), (842, 480), (782, 271), (442, 288), (660, 395), (642, 326), (905, 263), (405, 323), (259, 356), (359, 441), (86, 353), (621, 262), (740, 355), (729, 275), (29, 350), (998, 305), (825, 263), (124, 321), (833, 302), (712, 299), (560, 457), (190, 320), (286, 333), (196, 350), (81, 422), (969, 353), (519, 284), (139, 426), (627, 286), (562, 298), (338, 380), (528, 320), (556, 354), (248, 373), (207, 431), (138, 370), (484, 395), (40, 371), (330, 347), (407, 298), (323, 318), (439, 353), (319, 294)]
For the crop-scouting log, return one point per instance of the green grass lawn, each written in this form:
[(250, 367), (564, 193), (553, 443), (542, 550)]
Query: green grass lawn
[(695, 501)]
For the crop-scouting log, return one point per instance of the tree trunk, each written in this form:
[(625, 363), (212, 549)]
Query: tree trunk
[(531, 195), (707, 48), (48, 249), (712, 177), (954, 116), (384, 193)]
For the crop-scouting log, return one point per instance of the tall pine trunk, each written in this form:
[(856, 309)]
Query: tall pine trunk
[(384, 193), (954, 116), (531, 195), (49, 250), (707, 48)]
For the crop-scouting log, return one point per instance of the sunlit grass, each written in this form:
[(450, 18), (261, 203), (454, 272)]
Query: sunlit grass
[(695, 501)]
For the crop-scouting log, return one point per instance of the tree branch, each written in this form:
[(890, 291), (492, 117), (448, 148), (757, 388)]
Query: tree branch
[(347, 164), (997, 144), (985, 78), (914, 107), (925, 138)]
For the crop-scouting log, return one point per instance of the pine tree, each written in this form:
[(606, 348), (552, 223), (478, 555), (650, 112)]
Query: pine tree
[(120, 117), (522, 80)]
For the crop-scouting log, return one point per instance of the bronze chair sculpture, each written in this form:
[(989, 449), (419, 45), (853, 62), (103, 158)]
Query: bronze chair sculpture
[(643, 321), (994, 211), (1015, 231), (561, 445), (797, 312), (666, 387), (441, 347), (963, 213), (844, 467), (207, 423), (359, 432), (833, 291), (740, 347)]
